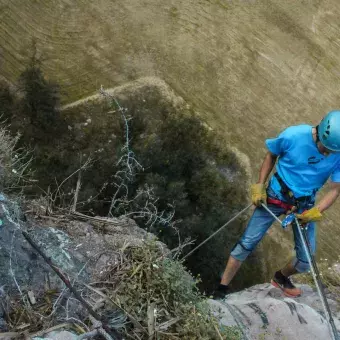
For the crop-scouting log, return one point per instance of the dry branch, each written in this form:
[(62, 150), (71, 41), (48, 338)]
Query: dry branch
[(151, 320), (64, 279), (75, 200)]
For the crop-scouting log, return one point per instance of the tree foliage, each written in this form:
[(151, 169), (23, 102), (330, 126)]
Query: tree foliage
[(6, 102), (40, 103), (185, 163), (188, 168)]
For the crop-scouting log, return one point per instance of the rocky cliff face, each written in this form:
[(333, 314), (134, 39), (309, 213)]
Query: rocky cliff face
[(250, 67), (81, 250), (263, 312), (71, 244)]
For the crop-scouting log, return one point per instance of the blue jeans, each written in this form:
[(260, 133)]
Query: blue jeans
[(258, 225)]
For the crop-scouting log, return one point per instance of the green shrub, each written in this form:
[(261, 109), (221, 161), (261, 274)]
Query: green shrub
[(150, 279), (6, 103), (186, 164), (15, 163), (40, 104), (191, 171)]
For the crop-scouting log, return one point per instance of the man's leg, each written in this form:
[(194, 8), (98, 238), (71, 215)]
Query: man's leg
[(289, 269), (298, 264), (257, 226), (232, 268)]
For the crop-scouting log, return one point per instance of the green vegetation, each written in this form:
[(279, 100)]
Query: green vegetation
[(15, 169), (34, 118), (151, 286), (40, 103), (6, 102), (330, 277), (147, 294), (186, 167), (187, 170)]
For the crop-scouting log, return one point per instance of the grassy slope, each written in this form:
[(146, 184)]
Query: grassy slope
[(250, 67)]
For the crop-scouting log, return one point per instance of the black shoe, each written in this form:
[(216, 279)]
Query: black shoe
[(285, 284), (221, 292)]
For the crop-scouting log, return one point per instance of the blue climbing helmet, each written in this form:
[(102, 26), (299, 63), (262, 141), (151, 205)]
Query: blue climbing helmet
[(329, 131)]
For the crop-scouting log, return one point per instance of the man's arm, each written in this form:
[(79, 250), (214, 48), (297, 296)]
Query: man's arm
[(315, 214), (330, 197), (267, 167), (258, 190)]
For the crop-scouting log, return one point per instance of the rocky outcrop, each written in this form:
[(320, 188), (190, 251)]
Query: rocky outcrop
[(82, 250), (263, 312), (85, 249), (58, 335), (78, 248)]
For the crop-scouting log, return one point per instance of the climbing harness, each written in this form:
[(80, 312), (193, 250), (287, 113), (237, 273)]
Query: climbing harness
[(279, 203), (288, 194), (291, 218), (285, 191)]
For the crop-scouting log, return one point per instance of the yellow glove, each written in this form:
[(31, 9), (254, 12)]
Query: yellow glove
[(258, 194), (310, 215)]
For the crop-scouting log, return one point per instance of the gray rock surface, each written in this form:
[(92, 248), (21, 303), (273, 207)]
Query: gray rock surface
[(85, 249), (263, 312), (58, 335), (81, 250), (21, 268)]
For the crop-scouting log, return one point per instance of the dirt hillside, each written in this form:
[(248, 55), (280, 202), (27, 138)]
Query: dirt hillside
[(251, 67)]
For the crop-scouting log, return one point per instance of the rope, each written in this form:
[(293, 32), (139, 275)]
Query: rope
[(316, 277), (217, 231), (315, 274), (271, 213)]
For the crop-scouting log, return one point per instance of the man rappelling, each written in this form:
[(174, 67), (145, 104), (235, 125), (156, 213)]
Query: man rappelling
[(305, 157)]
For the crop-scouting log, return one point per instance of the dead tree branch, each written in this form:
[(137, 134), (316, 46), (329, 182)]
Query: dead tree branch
[(143, 204), (85, 304)]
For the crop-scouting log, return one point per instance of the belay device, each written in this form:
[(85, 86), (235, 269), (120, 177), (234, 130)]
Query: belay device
[(288, 220)]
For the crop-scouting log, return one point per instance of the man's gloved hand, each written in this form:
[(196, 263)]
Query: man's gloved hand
[(258, 194), (310, 215)]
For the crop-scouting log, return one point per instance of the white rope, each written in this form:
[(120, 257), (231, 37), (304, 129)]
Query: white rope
[(333, 331), (217, 231)]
